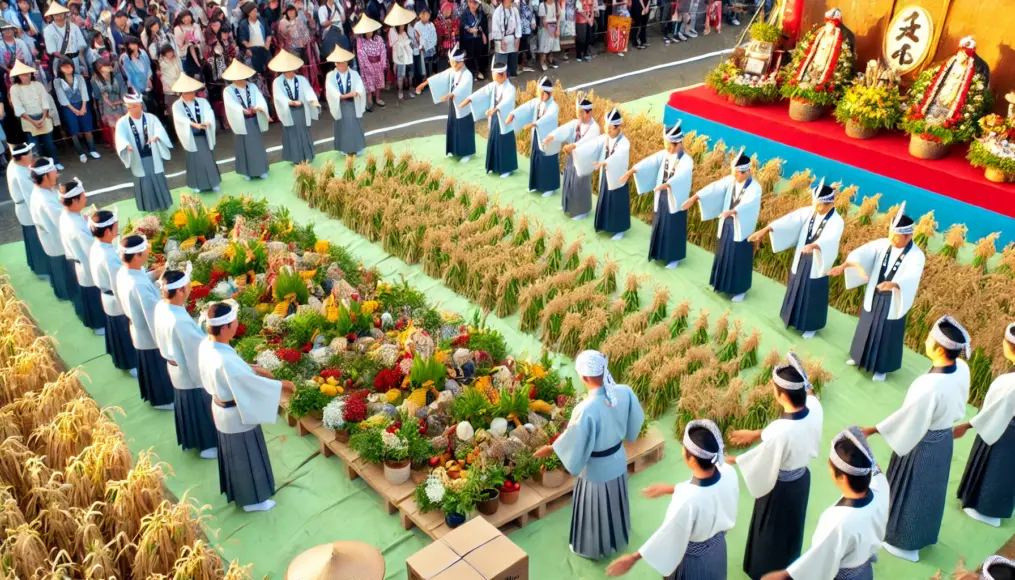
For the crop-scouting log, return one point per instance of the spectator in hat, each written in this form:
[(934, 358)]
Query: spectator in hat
[(63, 38), (32, 103)]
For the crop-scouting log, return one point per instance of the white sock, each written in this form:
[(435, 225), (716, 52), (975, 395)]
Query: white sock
[(995, 522), (739, 297), (210, 453), (908, 555), (260, 507), (450, 155), (673, 265), (505, 175), (196, 190), (530, 190), (851, 362), (100, 332), (465, 159), (246, 177), (216, 188), (264, 176), (168, 407), (580, 216), (548, 193), (618, 236), (133, 372), (879, 377), (809, 334)]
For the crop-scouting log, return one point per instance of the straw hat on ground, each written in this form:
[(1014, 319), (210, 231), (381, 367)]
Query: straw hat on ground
[(186, 84), (365, 25), (284, 62), (340, 55), (338, 561), (56, 8), (21, 68), (399, 16), (237, 71)]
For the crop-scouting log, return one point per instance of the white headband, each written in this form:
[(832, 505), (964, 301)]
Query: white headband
[(967, 42), (223, 320), (674, 134), (796, 364), (21, 149), (185, 280), (545, 85), (592, 363), (834, 14), (581, 104), (855, 435), (74, 191), (994, 561), (138, 248), (902, 230), (717, 458), (133, 99), (614, 118), (939, 336), (107, 223), (44, 169), (736, 159), (816, 193), (457, 54)]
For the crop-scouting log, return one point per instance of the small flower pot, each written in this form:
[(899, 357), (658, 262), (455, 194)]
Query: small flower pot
[(342, 435), (804, 111), (924, 149), (552, 479), (509, 497), (858, 131), (997, 176), (454, 520), (742, 101), (489, 506), (397, 472)]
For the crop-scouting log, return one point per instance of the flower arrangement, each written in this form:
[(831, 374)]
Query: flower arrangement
[(961, 127), (994, 149), (872, 102), (729, 81), (827, 90)]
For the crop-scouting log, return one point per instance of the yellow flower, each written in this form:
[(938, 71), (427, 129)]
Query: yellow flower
[(428, 385), (322, 247), (230, 252), (536, 372), (308, 274), (179, 218), (440, 356), (188, 243), (369, 307), (394, 396)]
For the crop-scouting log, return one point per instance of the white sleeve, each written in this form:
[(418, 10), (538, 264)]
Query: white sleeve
[(997, 411), (587, 153), (786, 230), (523, 114), (828, 245), (712, 198), (866, 257), (618, 164), (759, 466), (482, 101), (908, 278), (823, 559), (904, 428), (256, 397), (646, 172), (665, 549)]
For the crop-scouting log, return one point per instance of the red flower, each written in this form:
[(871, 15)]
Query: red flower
[(461, 340), (532, 392), (392, 429), (355, 410), (216, 276), (387, 379), (288, 355), (200, 292), (331, 373), (241, 330), (351, 337), (275, 340), (355, 297), (307, 347), (400, 324), (554, 438)]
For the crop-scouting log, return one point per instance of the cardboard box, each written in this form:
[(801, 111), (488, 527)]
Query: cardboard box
[(474, 551)]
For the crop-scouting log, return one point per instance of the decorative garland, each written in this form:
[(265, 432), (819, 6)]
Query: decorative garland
[(832, 85), (961, 126)]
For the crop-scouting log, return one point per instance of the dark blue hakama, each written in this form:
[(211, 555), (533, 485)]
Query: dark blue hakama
[(36, 257), (776, 535), (669, 233), (613, 208), (153, 378), (805, 306), (58, 279), (195, 428), (75, 291), (732, 268), (501, 151), (202, 171), (245, 474), (918, 484), (460, 135), (703, 560), (119, 345), (544, 170), (877, 343), (91, 300), (987, 481), (864, 571)]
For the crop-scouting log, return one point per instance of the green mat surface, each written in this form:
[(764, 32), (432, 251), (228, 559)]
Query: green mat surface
[(318, 504)]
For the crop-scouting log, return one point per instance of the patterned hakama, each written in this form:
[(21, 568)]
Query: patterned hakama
[(805, 306), (600, 517), (864, 571), (37, 259), (669, 233), (732, 267), (153, 378), (877, 343), (195, 428), (576, 196), (202, 171), (460, 135), (919, 484), (613, 208), (987, 482), (91, 302), (297, 145), (349, 138), (244, 468), (501, 152), (118, 343), (251, 156), (776, 534), (151, 191), (703, 560), (544, 170)]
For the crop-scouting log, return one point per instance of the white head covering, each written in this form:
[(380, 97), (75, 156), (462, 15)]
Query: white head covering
[(132, 98), (583, 103), (184, 281), (75, 191), (499, 66), (968, 42), (994, 560), (823, 193), (741, 162), (20, 149), (545, 84), (717, 458), (614, 118), (833, 14), (674, 134), (134, 249), (903, 230), (794, 362), (592, 363), (108, 222), (856, 436), (46, 167), (205, 321), (941, 338), (457, 54)]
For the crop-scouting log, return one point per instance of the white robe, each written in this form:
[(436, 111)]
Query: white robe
[(77, 243), (695, 514), (229, 378), (846, 537), (494, 95), (138, 297), (791, 230), (334, 96), (869, 257), (934, 401), (181, 122), (997, 411), (566, 133), (234, 109), (527, 112), (131, 159), (46, 209), (104, 260), (20, 186), (649, 172), (593, 151), (178, 338), (716, 197), (282, 108), (786, 445), (458, 84)]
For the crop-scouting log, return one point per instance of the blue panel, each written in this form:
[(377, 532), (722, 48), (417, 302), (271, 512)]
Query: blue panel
[(947, 211)]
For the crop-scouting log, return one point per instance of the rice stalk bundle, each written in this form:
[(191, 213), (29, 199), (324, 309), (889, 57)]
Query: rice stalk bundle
[(664, 386), (635, 323), (768, 367), (539, 242), (769, 175), (729, 349), (388, 165), (162, 537), (587, 269), (981, 376), (621, 349), (749, 350), (985, 250), (131, 499), (107, 459), (305, 183), (560, 282), (729, 411), (639, 375), (569, 342), (955, 238), (458, 270), (521, 233), (49, 488), (760, 410), (27, 369), (695, 395), (58, 526), (10, 513), (868, 207), (198, 562), (678, 320), (607, 284), (595, 328), (656, 334), (699, 357), (237, 572), (616, 312), (1006, 265), (24, 551), (14, 462), (699, 330), (68, 433), (530, 302), (926, 228), (721, 331), (630, 295), (555, 253), (114, 558)]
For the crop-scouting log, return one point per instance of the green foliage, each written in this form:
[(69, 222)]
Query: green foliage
[(493, 476), (399, 296), (728, 81), (429, 370), (420, 449), (303, 326), (230, 207), (872, 107), (491, 342), (248, 347), (306, 400), (551, 463), (824, 94), (980, 156), (765, 32), (429, 319), (250, 296), (472, 406), (361, 369), (368, 444), (349, 265), (514, 401), (247, 256), (525, 466), (289, 282)]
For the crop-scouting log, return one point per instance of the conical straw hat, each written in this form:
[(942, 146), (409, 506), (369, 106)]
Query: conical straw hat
[(340, 55), (365, 25), (186, 84), (237, 71), (21, 68), (399, 16), (55, 8), (338, 561), (285, 61)]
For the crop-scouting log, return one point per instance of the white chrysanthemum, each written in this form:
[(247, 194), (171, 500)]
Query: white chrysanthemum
[(274, 322), (268, 360), (320, 355), (387, 354), (333, 416), (175, 256), (434, 489), (393, 441)]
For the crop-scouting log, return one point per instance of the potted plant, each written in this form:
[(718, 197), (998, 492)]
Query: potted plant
[(333, 417), (811, 97), (741, 88), (459, 505), (395, 455), (551, 472), (308, 401), (933, 139), (872, 103), (993, 150), (492, 479)]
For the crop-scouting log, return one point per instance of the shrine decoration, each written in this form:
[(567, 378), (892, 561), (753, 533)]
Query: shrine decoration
[(821, 68), (994, 149), (872, 103), (909, 40), (748, 77)]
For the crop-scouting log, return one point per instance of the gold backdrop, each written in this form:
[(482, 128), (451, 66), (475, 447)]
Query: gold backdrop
[(991, 22)]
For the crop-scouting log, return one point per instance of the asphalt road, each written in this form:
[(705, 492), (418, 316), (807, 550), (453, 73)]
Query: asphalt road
[(656, 69)]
